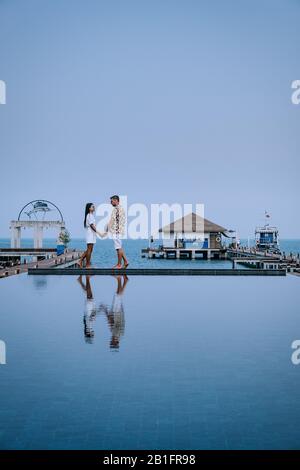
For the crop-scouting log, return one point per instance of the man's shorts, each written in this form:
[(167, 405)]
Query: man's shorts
[(117, 242)]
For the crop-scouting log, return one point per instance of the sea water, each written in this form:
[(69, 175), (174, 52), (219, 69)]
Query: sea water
[(104, 254)]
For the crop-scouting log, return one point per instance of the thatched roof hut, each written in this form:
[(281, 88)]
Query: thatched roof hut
[(192, 223)]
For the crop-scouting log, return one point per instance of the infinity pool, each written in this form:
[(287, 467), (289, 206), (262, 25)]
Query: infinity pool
[(149, 363)]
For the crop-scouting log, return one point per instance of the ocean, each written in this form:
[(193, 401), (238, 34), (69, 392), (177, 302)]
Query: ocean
[(104, 253)]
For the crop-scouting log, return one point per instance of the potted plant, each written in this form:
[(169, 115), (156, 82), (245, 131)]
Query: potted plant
[(62, 242)]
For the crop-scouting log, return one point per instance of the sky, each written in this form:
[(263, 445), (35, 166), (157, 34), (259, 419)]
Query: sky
[(161, 100)]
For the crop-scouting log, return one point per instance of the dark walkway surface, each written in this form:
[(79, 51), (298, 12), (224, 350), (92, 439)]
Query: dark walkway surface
[(158, 272)]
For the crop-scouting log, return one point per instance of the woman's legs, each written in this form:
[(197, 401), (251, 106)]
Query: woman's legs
[(82, 257), (86, 255), (89, 251)]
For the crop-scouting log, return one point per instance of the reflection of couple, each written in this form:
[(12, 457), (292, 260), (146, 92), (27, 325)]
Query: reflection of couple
[(114, 314), (115, 227)]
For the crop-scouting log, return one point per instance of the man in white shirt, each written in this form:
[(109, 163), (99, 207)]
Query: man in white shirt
[(116, 227), (115, 314)]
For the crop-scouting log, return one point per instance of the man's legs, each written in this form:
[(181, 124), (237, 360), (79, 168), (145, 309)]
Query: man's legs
[(120, 253), (124, 257)]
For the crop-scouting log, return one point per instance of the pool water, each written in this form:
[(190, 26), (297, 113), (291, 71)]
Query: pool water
[(149, 362)]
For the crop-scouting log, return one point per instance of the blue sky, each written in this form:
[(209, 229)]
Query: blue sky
[(165, 101)]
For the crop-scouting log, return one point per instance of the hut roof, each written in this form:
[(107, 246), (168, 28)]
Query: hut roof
[(192, 223)]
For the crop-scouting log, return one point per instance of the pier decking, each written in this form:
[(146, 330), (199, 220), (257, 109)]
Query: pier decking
[(50, 262), (183, 253), (264, 260)]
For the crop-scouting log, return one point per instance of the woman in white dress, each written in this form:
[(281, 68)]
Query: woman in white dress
[(91, 232)]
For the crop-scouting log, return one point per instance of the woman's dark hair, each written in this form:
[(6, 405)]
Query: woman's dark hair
[(87, 211)]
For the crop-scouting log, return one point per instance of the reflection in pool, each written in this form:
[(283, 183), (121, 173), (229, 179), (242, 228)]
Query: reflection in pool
[(114, 314), (205, 362)]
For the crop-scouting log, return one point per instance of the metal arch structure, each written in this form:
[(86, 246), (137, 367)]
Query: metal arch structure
[(41, 200), (38, 226)]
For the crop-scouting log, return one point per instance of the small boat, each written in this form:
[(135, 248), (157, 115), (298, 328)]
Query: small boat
[(266, 237)]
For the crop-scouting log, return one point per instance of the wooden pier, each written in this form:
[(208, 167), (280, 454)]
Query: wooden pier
[(50, 261), (258, 263), (253, 258), (26, 251), (183, 253)]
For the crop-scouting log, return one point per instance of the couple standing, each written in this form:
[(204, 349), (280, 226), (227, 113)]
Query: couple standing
[(115, 227)]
